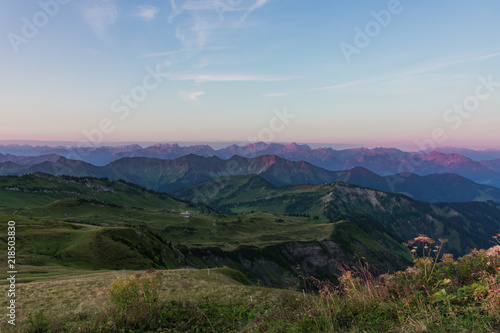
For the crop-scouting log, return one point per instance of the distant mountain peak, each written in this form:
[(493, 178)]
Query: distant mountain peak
[(296, 147), (443, 158)]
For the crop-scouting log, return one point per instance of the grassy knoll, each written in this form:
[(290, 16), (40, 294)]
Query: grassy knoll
[(62, 293), (41, 242), (36, 190)]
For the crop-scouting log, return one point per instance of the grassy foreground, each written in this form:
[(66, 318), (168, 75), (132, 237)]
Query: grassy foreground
[(435, 294)]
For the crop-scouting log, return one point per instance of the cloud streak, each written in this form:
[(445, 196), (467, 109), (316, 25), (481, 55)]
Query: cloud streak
[(99, 15), (147, 12), (228, 78), (191, 95), (160, 54), (276, 94), (256, 5), (204, 18), (418, 73)]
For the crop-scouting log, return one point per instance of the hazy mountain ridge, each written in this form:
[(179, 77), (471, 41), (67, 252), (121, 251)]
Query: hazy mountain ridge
[(476, 155), (432, 188), (27, 160), (383, 161), (172, 175)]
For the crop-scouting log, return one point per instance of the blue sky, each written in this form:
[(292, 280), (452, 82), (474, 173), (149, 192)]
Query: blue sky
[(408, 74)]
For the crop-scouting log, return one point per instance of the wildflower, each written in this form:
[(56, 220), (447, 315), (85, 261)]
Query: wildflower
[(493, 251), (423, 239), (407, 244)]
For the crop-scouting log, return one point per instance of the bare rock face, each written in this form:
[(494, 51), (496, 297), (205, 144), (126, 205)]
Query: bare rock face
[(293, 259), (322, 255)]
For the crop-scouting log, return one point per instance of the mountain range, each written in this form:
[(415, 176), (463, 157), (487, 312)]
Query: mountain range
[(172, 175), (384, 161)]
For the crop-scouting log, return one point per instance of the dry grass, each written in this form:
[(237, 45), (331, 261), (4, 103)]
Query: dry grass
[(73, 292)]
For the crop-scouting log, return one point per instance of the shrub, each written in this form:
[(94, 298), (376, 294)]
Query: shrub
[(38, 322), (136, 297)]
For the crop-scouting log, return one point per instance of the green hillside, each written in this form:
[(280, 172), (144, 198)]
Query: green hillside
[(45, 243), (266, 232), (82, 218), (38, 189), (466, 225)]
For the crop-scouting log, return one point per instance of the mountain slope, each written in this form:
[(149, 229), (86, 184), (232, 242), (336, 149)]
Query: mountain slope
[(431, 188), (467, 225), (134, 228), (50, 242), (27, 160), (172, 175), (322, 222), (39, 189)]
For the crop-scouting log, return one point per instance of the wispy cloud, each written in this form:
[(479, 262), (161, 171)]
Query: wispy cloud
[(228, 78), (99, 15), (428, 73), (147, 12), (257, 4), (451, 61), (207, 17), (175, 52), (348, 84), (201, 25), (159, 54), (276, 94), (190, 95)]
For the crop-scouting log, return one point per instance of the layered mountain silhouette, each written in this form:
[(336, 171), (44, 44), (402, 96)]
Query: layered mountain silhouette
[(480, 166), (172, 175)]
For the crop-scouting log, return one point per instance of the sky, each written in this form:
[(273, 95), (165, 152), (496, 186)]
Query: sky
[(406, 74)]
